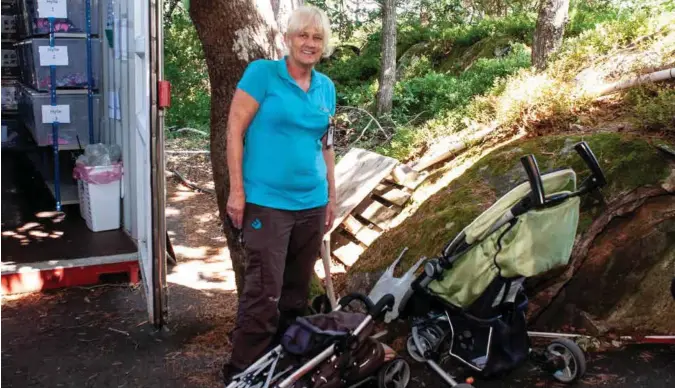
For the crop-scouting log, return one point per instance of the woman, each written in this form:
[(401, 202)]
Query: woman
[(282, 187)]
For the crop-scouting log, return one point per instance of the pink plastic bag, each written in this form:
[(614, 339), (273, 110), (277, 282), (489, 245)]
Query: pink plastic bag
[(98, 174)]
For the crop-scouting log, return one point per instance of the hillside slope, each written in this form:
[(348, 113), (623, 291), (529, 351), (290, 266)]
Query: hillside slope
[(619, 274), (636, 211)]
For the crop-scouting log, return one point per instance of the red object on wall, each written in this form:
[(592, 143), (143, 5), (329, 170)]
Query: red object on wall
[(164, 94)]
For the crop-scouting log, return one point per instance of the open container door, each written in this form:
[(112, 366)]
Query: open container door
[(133, 68), (157, 295)]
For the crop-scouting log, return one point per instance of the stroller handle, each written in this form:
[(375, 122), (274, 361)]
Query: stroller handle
[(597, 176), (346, 300), (386, 302), (538, 196)]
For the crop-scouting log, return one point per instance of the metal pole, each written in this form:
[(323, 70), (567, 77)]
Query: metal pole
[(55, 125), (89, 72)]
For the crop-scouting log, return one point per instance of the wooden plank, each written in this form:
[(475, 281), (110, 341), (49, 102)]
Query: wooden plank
[(393, 195), (325, 257), (367, 236), (356, 175), (363, 233), (349, 253), (379, 214), (352, 225)]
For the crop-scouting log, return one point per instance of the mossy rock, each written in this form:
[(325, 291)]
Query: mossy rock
[(462, 58), (628, 162)]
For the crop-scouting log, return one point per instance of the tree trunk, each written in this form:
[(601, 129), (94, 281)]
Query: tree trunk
[(548, 34), (385, 93), (234, 33)]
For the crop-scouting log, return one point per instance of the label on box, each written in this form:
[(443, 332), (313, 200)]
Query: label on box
[(57, 55), (55, 113), (53, 9)]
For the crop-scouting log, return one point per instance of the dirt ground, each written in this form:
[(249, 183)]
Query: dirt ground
[(99, 336)]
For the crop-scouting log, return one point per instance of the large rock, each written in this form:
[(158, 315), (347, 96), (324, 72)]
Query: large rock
[(620, 270)]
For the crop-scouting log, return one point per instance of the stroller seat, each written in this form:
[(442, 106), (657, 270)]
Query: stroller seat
[(313, 333), (516, 249)]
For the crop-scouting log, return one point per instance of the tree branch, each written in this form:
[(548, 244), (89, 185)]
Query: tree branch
[(367, 113), (190, 184)]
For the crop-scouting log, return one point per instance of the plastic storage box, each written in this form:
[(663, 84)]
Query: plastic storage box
[(9, 7), (10, 132), (72, 75), (10, 91), (32, 23), (9, 27), (100, 203), (10, 62), (72, 135)]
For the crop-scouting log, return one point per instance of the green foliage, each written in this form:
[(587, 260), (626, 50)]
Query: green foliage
[(585, 15), (519, 27), (653, 107), (185, 68), (578, 52), (436, 93)]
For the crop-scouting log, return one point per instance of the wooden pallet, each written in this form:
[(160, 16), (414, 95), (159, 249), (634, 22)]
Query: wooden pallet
[(372, 190)]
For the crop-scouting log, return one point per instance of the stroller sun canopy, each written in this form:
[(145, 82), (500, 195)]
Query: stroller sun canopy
[(539, 241)]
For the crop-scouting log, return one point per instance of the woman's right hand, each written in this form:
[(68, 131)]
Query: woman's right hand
[(235, 207)]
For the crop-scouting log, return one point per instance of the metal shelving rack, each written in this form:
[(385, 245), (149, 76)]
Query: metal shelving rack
[(55, 186)]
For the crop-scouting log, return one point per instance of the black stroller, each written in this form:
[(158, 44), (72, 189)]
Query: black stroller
[(328, 350), (469, 303)]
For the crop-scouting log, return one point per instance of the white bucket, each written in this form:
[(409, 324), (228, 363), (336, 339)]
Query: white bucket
[(100, 203)]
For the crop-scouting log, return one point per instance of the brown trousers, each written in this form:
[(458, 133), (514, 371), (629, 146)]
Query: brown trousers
[(281, 247)]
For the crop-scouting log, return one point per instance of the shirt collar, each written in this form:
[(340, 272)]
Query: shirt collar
[(283, 72)]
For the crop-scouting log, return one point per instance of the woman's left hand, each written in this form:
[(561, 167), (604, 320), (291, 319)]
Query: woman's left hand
[(330, 214)]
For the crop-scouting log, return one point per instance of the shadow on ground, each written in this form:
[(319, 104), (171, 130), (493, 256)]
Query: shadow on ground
[(100, 338)]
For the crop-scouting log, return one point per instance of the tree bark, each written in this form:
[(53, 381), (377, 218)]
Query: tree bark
[(387, 80), (548, 34), (234, 33)]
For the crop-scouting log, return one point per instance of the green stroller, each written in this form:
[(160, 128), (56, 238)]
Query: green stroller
[(469, 303)]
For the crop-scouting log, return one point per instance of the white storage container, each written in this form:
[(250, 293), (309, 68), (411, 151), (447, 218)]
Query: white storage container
[(33, 23), (100, 203), (10, 62), (71, 71), (8, 27), (10, 96), (73, 131)]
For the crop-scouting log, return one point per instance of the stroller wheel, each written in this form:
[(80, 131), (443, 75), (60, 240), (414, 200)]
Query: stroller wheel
[(427, 338), (575, 362), (418, 355), (394, 374)]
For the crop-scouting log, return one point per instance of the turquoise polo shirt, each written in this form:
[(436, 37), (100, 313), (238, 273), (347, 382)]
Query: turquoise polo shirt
[(283, 165)]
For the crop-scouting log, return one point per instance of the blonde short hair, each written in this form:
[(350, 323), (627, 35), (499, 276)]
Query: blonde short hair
[(306, 16)]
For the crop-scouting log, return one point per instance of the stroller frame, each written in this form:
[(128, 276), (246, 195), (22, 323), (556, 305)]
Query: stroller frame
[(267, 363), (552, 359)]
